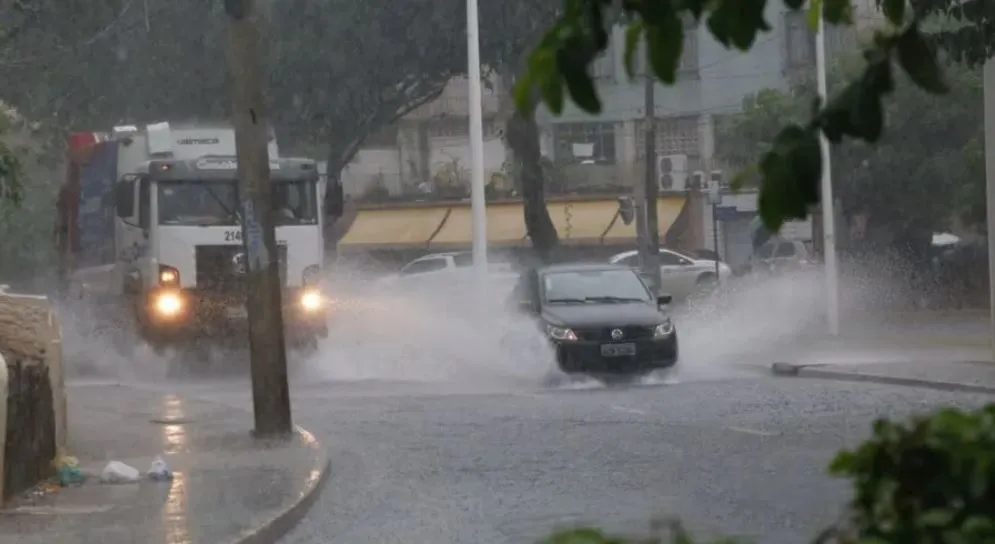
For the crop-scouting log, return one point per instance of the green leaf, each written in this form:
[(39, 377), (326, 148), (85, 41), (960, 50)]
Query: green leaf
[(543, 65), (937, 518), (918, 60), (665, 43), (894, 10), (838, 12), (580, 85), (814, 14), (633, 34)]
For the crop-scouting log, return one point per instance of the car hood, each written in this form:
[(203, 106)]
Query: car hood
[(603, 315)]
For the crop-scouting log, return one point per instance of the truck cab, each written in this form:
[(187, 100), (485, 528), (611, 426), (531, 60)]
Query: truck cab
[(181, 257)]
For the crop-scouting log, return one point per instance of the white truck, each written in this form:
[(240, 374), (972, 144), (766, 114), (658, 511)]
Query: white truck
[(151, 225)]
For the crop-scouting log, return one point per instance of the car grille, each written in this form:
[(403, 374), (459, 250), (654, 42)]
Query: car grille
[(605, 334), (216, 269)]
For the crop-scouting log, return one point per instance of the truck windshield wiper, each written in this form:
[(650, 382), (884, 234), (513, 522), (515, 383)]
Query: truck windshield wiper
[(566, 301), (232, 214)]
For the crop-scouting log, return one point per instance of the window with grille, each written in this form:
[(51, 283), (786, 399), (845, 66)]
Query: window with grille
[(674, 136), (584, 143)]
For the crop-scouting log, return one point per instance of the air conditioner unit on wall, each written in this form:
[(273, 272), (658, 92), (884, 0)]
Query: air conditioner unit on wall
[(672, 172)]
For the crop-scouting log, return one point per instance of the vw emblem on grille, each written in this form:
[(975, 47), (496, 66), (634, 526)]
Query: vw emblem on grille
[(238, 263), (616, 334)]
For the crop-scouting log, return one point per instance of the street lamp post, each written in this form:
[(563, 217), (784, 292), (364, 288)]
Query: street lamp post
[(828, 213), (477, 200)]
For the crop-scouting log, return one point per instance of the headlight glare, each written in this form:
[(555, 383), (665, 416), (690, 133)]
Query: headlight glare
[(560, 333), (311, 300), (663, 329), (168, 275), (168, 304)]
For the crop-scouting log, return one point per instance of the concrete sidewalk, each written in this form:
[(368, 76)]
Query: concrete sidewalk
[(965, 376), (228, 488)]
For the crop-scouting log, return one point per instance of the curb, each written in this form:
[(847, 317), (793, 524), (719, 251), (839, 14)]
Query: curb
[(274, 528), (821, 372)]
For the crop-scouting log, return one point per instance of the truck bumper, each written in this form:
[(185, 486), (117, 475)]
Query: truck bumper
[(173, 316)]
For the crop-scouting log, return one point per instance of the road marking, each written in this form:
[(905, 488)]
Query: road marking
[(624, 410), (756, 432)]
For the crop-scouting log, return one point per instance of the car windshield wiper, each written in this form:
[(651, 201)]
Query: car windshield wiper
[(614, 299), (567, 301)]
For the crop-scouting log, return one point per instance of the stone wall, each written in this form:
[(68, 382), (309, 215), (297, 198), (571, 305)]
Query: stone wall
[(32, 391)]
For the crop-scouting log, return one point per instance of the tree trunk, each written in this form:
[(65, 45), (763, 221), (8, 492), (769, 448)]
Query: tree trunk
[(523, 140)]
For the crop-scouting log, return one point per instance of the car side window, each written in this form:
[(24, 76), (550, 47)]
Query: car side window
[(426, 265), (672, 259), (785, 249)]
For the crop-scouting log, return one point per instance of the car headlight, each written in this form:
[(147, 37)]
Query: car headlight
[(560, 333), (663, 329), (168, 275), (311, 300), (312, 275), (168, 304)]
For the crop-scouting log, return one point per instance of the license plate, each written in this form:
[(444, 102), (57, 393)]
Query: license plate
[(238, 312), (618, 350)]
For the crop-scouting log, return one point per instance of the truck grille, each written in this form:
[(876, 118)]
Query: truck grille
[(217, 269)]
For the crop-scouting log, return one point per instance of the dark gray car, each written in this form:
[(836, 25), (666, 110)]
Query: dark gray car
[(600, 318)]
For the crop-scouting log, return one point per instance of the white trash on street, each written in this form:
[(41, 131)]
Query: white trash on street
[(117, 472), (159, 470)]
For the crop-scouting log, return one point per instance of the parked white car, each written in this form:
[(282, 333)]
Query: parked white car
[(443, 268), (681, 275)]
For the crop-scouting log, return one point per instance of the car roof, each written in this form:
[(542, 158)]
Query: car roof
[(630, 253), (579, 267)]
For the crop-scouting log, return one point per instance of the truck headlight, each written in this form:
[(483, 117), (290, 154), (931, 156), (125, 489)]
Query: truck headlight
[(168, 275), (311, 300), (168, 304), (312, 275), (664, 329)]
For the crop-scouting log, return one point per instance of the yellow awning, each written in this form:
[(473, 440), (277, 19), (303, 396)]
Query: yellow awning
[(394, 227), (577, 221), (505, 225), (667, 210)]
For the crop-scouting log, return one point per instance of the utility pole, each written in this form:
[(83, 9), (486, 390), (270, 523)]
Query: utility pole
[(267, 347), (651, 259)]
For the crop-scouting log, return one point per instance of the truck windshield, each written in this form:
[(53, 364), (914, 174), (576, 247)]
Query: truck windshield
[(216, 203)]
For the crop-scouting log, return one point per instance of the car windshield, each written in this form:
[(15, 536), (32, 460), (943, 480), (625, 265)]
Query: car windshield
[(210, 203), (594, 286)]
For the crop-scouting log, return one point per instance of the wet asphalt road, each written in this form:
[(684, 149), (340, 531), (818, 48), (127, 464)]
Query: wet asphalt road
[(429, 464)]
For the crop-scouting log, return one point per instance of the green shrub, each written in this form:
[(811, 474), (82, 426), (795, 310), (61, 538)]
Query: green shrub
[(928, 481)]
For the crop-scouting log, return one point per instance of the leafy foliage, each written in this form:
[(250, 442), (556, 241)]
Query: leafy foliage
[(929, 480), (791, 168), (967, 36), (915, 174)]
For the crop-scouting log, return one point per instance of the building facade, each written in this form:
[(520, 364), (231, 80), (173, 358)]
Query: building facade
[(430, 146)]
